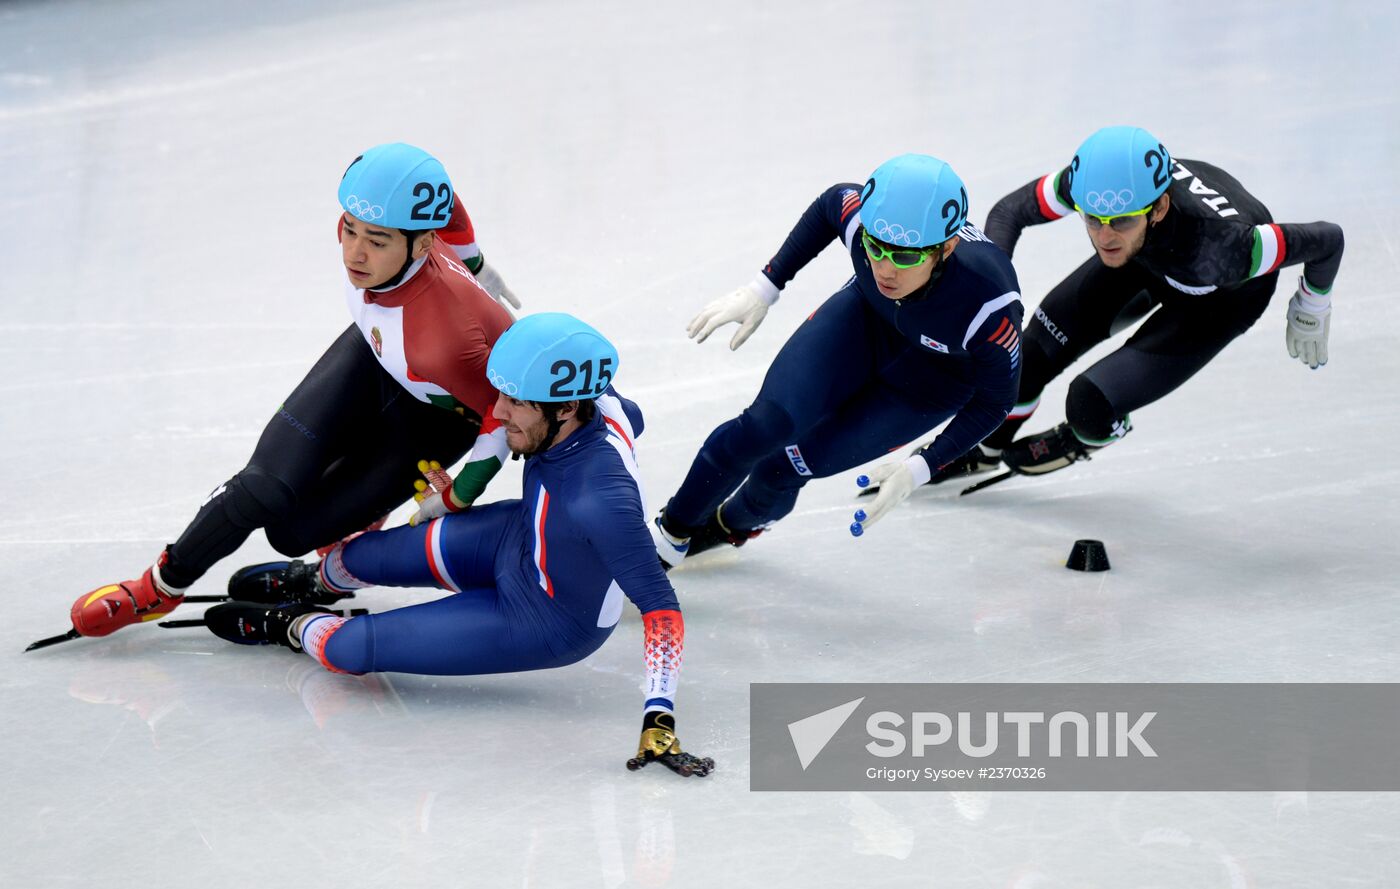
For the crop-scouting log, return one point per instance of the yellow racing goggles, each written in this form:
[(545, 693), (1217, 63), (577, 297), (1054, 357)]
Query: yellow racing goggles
[(1121, 223)]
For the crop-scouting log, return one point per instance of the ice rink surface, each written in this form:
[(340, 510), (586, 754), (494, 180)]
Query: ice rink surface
[(168, 178)]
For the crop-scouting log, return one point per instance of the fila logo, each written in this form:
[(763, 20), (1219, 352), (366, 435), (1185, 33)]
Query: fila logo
[(798, 463), (931, 343)]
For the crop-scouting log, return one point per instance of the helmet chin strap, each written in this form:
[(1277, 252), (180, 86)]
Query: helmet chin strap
[(938, 268), (1151, 229), (397, 279), (551, 433)]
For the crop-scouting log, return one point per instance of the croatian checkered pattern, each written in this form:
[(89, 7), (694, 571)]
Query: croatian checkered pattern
[(335, 576), (664, 641), (316, 633)]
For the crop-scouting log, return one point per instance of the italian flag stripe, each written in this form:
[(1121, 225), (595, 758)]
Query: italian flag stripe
[(1022, 411), (1269, 250), (1050, 206), (1315, 291)]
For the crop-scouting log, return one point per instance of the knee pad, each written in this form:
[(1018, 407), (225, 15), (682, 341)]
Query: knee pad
[(1091, 414), (253, 498)]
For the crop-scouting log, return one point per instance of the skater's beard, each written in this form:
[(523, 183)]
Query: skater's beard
[(535, 427)]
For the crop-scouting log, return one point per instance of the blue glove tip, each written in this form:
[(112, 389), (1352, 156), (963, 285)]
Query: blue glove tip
[(860, 515), (862, 481), (856, 529)]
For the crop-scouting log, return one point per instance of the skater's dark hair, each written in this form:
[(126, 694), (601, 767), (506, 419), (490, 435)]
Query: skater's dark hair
[(587, 409)]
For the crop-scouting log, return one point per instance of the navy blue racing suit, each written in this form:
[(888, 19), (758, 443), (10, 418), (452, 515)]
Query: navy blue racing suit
[(863, 375), (538, 582)]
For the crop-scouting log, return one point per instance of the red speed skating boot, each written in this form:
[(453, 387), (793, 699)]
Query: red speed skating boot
[(107, 609)]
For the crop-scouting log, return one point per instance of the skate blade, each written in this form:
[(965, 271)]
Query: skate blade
[(986, 483), (53, 640)]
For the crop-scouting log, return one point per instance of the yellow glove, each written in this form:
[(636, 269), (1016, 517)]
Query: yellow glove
[(660, 744), (434, 495)]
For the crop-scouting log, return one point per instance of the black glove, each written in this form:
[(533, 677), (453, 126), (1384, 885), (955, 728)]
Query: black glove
[(660, 744)]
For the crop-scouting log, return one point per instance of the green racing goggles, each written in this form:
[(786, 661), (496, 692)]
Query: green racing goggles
[(902, 257)]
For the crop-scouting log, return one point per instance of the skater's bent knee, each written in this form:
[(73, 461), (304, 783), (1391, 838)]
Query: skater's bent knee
[(253, 498), (767, 423), (1089, 411)]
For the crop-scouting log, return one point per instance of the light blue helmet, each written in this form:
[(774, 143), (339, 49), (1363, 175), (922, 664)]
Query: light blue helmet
[(397, 186), (1119, 170), (913, 201), (551, 356)]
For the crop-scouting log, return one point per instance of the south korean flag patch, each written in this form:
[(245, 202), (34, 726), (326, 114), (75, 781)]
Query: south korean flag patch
[(931, 343)]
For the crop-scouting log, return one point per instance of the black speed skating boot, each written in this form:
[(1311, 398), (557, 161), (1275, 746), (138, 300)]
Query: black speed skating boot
[(272, 583), (673, 544), (252, 623), (1047, 451), (714, 532), (980, 459)]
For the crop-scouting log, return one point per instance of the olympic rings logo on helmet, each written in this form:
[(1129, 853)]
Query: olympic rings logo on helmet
[(363, 209), (501, 383), (894, 233), (1108, 203)]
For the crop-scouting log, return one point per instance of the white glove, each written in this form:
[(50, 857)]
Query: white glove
[(434, 495), (747, 305), (495, 285), (897, 481), (1309, 319)]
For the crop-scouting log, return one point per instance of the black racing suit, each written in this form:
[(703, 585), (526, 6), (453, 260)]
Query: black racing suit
[(1209, 268)]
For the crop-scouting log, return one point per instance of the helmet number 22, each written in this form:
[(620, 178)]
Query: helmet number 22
[(1156, 161), (425, 191), (566, 371)]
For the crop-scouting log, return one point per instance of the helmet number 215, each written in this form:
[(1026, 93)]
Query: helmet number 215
[(566, 372)]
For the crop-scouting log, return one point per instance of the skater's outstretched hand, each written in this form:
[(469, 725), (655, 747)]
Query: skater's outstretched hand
[(747, 306), (1308, 324), (896, 481), (660, 744), (434, 493)]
